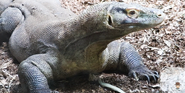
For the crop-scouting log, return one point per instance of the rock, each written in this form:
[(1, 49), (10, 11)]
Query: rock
[(172, 80)]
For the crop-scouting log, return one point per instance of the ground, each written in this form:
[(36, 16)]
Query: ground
[(160, 47)]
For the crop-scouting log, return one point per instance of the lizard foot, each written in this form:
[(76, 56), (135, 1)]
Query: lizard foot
[(143, 73), (1, 23)]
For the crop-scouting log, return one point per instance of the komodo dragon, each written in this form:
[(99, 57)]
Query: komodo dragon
[(53, 43)]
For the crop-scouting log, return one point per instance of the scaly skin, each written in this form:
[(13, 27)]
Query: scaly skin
[(57, 44)]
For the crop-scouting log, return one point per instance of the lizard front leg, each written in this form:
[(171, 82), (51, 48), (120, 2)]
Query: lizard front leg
[(130, 58), (121, 57), (36, 74)]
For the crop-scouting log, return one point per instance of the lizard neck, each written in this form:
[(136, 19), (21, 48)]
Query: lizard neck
[(89, 31), (84, 29)]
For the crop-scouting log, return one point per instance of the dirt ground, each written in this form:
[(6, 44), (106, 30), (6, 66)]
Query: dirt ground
[(160, 47)]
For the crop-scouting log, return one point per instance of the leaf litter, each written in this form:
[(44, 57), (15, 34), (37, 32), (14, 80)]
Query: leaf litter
[(162, 48)]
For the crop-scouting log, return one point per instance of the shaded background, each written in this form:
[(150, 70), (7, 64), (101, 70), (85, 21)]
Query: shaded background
[(160, 47)]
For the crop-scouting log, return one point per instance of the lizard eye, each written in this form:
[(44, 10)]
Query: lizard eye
[(132, 13)]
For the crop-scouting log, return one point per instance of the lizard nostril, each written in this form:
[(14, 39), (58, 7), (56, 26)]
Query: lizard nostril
[(110, 20)]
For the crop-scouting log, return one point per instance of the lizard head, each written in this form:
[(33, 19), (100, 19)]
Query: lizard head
[(133, 16)]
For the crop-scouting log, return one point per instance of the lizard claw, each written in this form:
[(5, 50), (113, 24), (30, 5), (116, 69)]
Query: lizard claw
[(155, 72), (148, 78), (134, 75), (143, 73), (155, 77)]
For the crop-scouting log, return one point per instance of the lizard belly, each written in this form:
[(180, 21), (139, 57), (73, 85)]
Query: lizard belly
[(88, 60), (70, 68)]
